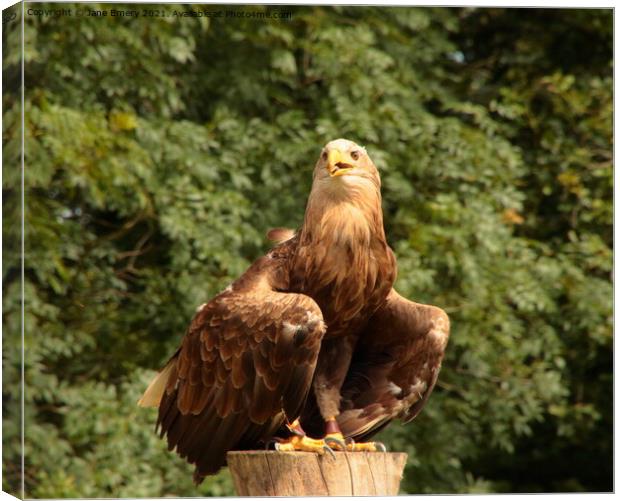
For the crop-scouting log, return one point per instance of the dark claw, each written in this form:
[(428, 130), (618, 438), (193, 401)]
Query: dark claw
[(328, 449), (273, 442), (380, 446), (338, 442)]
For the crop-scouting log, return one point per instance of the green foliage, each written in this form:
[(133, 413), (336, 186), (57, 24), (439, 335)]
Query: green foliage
[(160, 151)]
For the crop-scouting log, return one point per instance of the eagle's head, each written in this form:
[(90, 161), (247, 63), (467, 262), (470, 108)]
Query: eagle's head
[(343, 164), (345, 201)]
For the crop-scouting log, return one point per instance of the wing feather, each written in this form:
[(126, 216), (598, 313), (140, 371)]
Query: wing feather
[(249, 352), (395, 366)]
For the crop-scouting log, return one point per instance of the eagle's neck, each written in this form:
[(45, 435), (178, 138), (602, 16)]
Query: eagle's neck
[(343, 215)]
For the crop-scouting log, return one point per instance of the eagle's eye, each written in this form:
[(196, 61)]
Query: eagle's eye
[(324, 155), (355, 155)]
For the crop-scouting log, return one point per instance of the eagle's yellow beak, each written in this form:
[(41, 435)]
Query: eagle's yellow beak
[(336, 166)]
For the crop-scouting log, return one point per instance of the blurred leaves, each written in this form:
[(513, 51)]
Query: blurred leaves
[(160, 151)]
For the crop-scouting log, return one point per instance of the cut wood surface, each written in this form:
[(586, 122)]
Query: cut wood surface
[(271, 473)]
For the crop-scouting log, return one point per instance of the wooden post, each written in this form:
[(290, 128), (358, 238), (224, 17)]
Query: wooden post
[(277, 473)]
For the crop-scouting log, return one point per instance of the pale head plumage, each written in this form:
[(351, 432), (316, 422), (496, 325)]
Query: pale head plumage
[(344, 163)]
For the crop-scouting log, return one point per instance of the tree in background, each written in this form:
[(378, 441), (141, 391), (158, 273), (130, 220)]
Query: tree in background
[(160, 150)]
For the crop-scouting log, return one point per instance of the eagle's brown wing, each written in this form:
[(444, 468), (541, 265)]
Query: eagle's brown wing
[(395, 366), (244, 366)]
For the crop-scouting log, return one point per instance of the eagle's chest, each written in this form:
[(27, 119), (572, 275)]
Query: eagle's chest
[(349, 280)]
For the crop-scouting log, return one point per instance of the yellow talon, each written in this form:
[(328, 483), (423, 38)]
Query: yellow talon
[(336, 441), (295, 428), (302, 443), (331, 442), (369, 446), (341, 444)]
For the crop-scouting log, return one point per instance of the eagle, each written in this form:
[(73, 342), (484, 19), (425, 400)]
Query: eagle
[(311, 349)]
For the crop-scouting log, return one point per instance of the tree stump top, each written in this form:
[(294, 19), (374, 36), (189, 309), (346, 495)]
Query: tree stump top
[(276, 473)]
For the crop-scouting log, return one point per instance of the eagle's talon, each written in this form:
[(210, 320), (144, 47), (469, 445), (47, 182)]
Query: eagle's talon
[(295, 428), (271, 442), (339, 443), (381, 446), (329, 450)]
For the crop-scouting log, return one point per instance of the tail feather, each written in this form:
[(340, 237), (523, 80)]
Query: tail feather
[(153, 394)]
